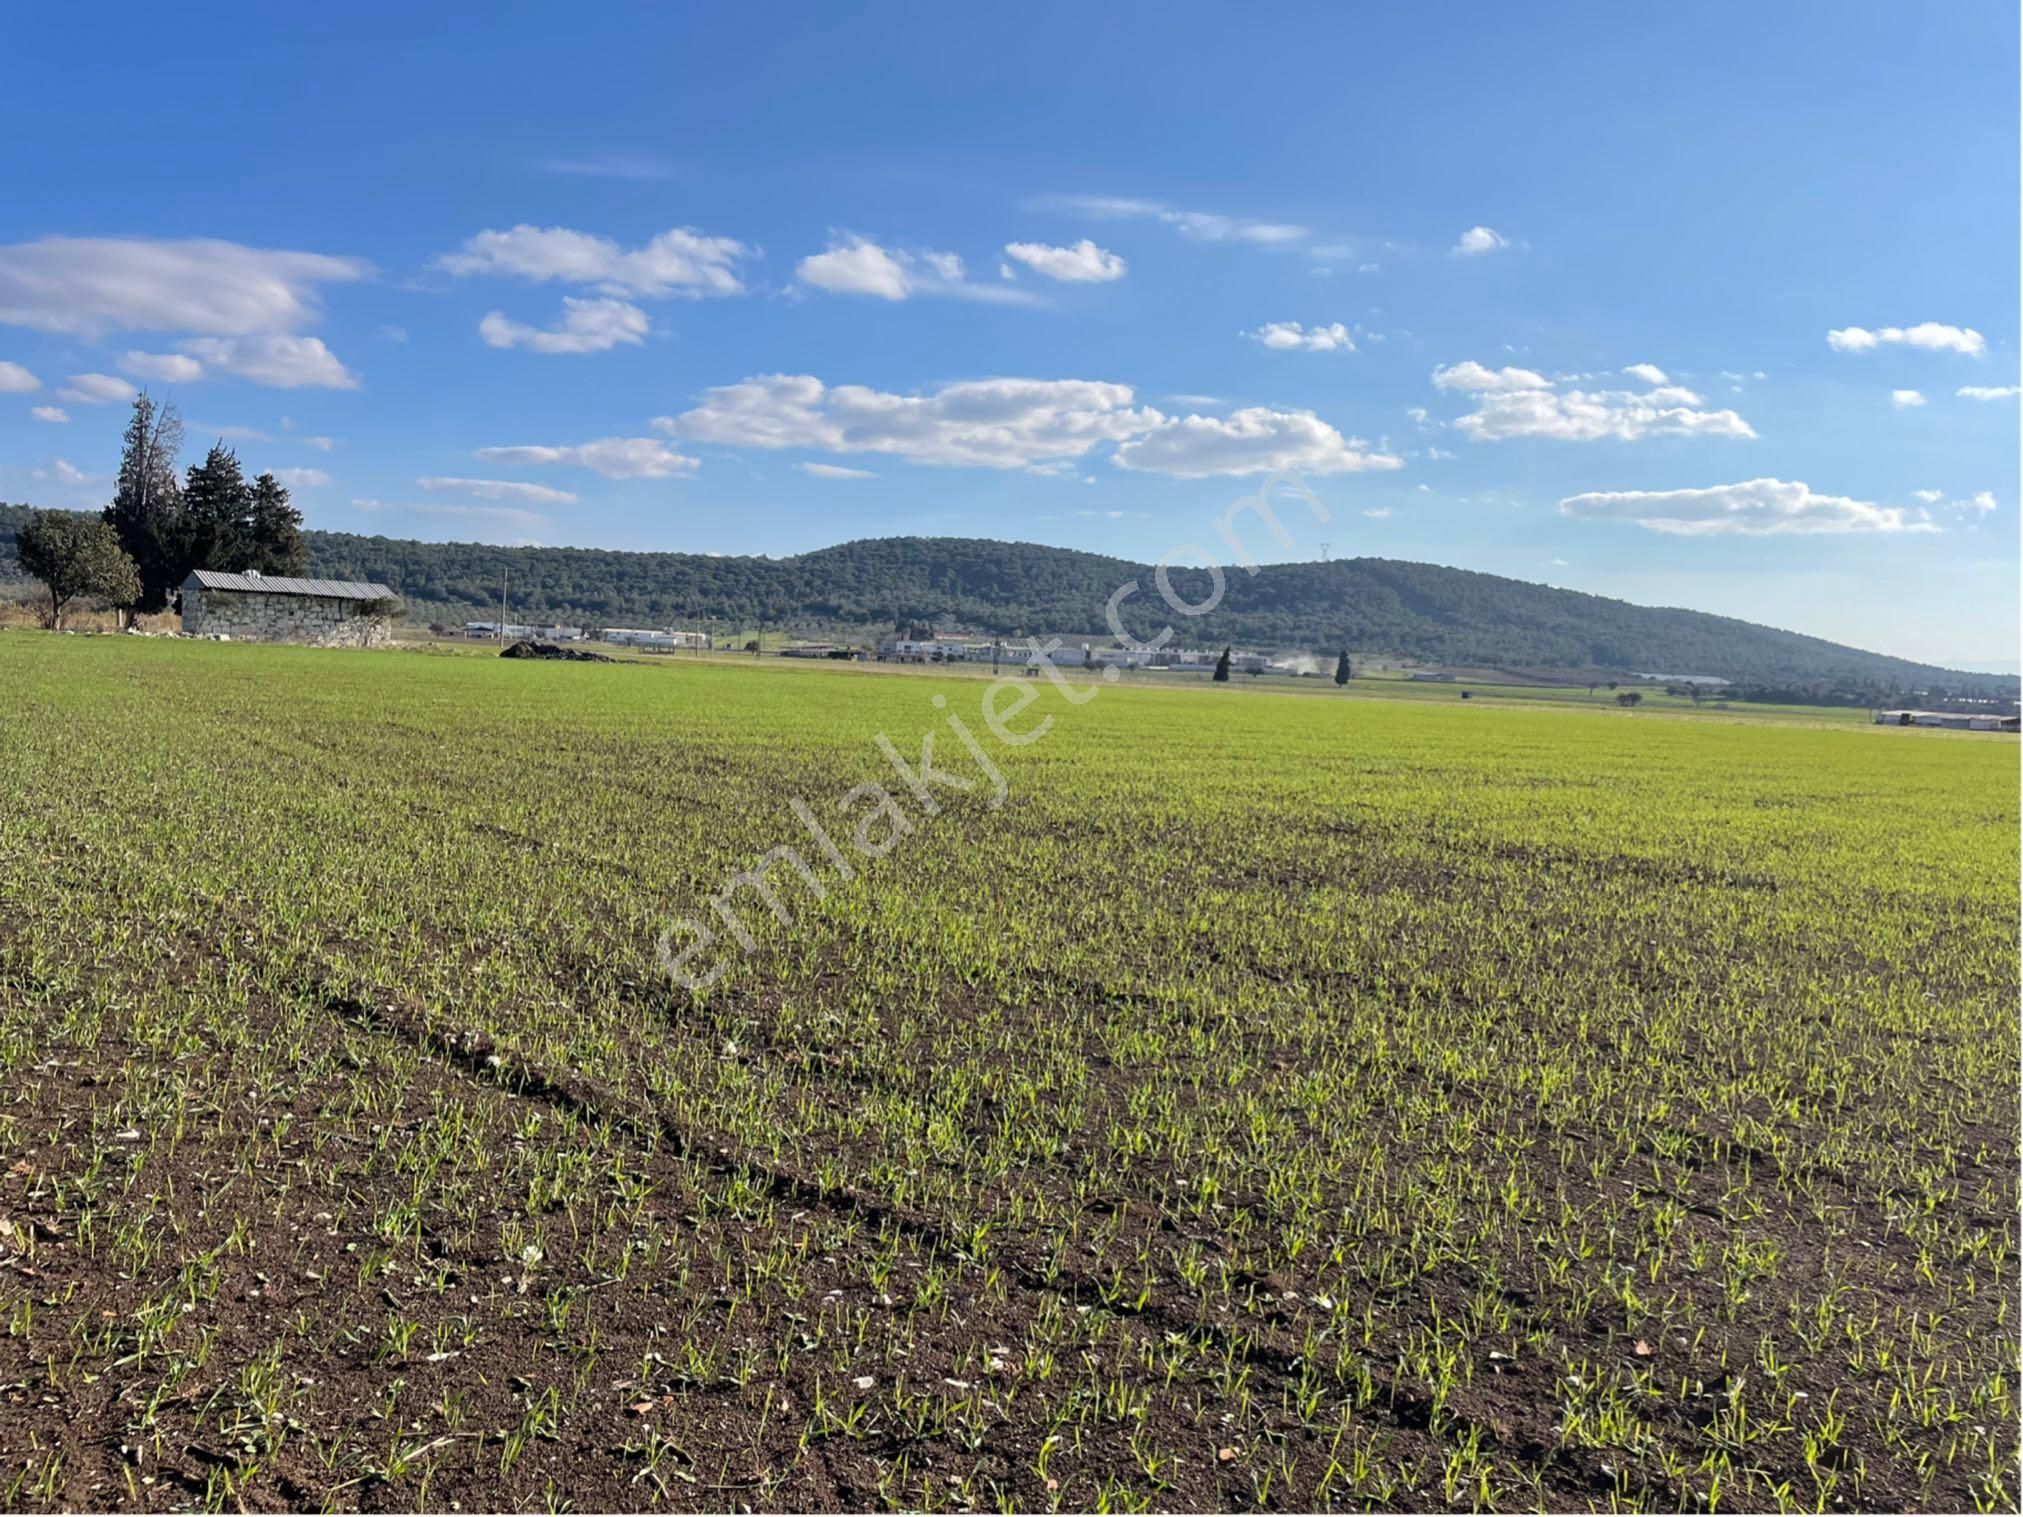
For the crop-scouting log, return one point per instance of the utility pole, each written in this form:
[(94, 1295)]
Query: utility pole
[(504, 576)]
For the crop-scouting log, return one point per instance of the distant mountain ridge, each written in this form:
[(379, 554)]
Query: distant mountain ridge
[(1369, 605)]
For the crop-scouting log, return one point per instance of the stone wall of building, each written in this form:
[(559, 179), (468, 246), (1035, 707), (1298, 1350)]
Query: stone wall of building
[(320, 621)]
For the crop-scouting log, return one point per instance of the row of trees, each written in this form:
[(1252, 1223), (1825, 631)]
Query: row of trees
[(158, 527)]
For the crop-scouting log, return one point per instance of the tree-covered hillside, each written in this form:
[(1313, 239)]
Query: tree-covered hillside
[(1374, 606)]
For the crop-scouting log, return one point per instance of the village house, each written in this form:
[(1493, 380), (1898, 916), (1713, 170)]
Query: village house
[(265, 608)]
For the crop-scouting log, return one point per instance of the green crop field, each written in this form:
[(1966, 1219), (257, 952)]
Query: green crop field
[(1223, 1101)]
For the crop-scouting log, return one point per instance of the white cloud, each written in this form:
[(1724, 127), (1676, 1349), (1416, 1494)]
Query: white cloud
[(49, 413), (836, 471), (302, 479), (1033, 424), (859, 266), (499, 489), (171, 368), (64, 472), (1649, 373), (613, 457), (1929, 497), (1522, 403), (1982, 501), (1905, 400), (1378, 513), (588, 326), (1251, 441), (1755, 508), (1204, 226), (1989, 392), (1286, 335), (987, 423), (94, 284), (1478, 240), (282, 363), (16, 380), (681, 261), (320, 444), (1470, 376), (1083, 263), (1933, 335), (96, 390)]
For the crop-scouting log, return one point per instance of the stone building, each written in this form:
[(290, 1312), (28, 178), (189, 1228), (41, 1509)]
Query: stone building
[(265, 608)]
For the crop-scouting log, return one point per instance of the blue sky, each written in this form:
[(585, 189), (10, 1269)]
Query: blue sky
[(1676, 306)]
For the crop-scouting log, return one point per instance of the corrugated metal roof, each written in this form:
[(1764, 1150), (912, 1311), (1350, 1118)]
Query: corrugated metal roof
[(274, 584)]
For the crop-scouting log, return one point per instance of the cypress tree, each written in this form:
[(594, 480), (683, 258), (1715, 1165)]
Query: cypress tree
[(217, 515), (275, 527), (1222, 668), (1343, 673), (147, 505)]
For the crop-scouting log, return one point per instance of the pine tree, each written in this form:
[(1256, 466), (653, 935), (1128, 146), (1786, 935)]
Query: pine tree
[(217, 515), (276, 530), (1222, 668), (1343, 673), (146, 509)]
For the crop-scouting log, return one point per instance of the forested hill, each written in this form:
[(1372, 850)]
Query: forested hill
[(1370, 605)]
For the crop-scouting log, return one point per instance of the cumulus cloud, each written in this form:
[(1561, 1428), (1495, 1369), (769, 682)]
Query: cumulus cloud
[(88, 285), (1083, 263), (858, 266), (1478, 240), (1522, 403), (986, 423), (836, 471), (1929, 497), (171, 368), (588, 326), (1754, 508), (302, 479), (1649, 373), (279, 362), (49, 413), (1989, 392), (1934, 335), (681, 261), (1038, 425), (1250, 441), (1475, 378), (1288, 335), (499, 489), (612, 457), (16, 380), (1203, 226), (96, 390), (1905, 400)]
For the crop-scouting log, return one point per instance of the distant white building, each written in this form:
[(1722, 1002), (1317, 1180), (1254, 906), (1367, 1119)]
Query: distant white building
[(649, 637), (514, 632), (1961, 721), (924, 650)]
